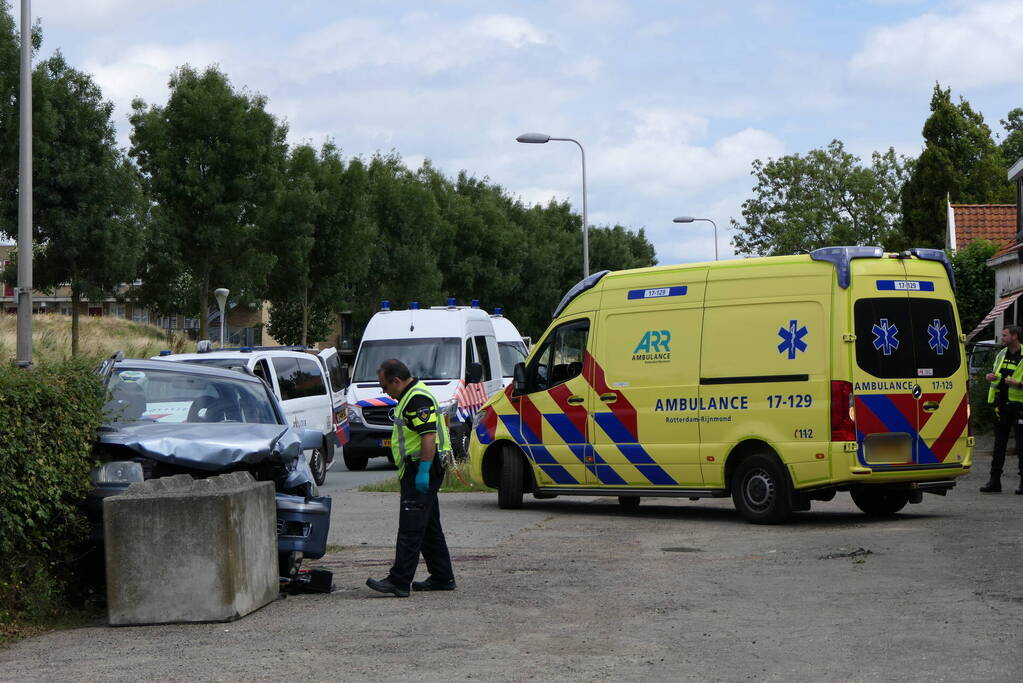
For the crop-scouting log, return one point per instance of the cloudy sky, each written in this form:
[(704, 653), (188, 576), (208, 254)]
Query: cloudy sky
[(672, 99)]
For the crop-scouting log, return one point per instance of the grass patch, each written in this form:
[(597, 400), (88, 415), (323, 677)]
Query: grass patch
[(99, 337), (333, 548), (452, 484)]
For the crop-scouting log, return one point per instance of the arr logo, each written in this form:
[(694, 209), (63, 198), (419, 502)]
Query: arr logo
[(653, 347)]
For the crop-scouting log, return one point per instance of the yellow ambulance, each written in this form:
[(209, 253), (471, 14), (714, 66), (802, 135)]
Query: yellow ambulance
[(776, 381)]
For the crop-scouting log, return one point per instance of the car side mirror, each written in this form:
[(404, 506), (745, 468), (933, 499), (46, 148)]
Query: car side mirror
[(311, 439), (519, 374), (473, 373)]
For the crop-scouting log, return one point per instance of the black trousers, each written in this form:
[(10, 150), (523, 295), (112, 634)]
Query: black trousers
[(1008, 422), (419, 531)]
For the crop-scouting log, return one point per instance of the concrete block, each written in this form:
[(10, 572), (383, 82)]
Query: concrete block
[(185, 550)]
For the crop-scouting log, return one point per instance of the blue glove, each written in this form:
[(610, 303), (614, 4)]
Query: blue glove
[(423, 476)]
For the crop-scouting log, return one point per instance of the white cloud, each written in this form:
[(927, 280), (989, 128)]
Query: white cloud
[(420, 43), (981, 45), (661, 158), (587, 68)]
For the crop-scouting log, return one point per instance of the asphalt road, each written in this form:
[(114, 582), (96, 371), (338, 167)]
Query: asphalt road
[(340, 479), (578, 589)]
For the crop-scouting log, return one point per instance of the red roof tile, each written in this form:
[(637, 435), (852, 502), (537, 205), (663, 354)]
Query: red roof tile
[(995, 222)]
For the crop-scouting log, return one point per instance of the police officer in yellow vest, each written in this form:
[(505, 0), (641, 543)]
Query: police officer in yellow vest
[(419, 446), (1006, 392)]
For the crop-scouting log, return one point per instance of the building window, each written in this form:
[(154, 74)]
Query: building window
[(140, 315), (95, 311), (191, 323), (117, 310), (65, 309)]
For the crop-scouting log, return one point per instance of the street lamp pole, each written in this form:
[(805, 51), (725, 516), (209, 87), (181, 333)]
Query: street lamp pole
[(23, 355), (221, 294), (541, 138), (690, 219)]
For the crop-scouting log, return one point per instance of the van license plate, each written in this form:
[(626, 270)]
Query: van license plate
[(385, 443)]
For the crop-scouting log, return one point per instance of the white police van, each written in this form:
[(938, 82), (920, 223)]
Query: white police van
[(310, 384), (510, 344), (452, 349)]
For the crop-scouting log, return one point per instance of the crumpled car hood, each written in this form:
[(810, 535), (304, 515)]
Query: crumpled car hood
[(211, 447)]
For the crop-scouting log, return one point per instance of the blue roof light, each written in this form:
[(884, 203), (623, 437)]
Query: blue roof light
[(413, 306), (166, 352), (452, 302), (499, 311), (475, 303), (385, 305)]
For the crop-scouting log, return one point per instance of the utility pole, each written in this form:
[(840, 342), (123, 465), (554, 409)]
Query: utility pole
[(24, 335)]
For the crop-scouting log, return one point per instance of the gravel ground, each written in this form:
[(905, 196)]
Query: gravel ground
[(577, 589)]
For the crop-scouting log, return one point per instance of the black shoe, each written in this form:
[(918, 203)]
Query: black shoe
[(1019, 491), (994, 485), (432, 584), (385, 586)]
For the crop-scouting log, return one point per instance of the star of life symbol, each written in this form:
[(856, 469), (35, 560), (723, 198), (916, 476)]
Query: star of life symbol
[(937, 337), (885, 337), (792, 339)]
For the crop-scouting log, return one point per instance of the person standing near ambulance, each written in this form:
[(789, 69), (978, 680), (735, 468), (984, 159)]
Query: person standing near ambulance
[(1006, 392), (419, 442)]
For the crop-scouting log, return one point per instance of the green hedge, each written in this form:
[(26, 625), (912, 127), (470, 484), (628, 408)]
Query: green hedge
[(48, 421)]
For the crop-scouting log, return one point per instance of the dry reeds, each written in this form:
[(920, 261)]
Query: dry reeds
[(99, 337)]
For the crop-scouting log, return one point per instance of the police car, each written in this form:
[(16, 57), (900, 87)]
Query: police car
[(452, 349)]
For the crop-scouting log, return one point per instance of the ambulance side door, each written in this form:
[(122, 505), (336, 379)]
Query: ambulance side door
[(646, 391)]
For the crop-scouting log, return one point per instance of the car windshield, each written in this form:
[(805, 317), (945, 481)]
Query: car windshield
[(511, 354), (430, 358), (168, 396)]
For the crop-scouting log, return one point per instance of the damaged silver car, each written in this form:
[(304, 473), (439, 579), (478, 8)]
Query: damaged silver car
[(162, 419)]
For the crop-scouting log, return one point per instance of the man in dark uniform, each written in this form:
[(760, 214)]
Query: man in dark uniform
[(1006, 392), (419, 445)]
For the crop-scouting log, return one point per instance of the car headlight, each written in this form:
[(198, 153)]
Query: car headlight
[(116, 472), (355, 415)]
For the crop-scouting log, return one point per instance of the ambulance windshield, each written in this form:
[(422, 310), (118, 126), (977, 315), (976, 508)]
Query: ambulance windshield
[(431, 358)]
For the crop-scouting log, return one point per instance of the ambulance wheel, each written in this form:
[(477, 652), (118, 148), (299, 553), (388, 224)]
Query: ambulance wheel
[(353, 461), (879, 502), (760, 490), (509, 491), (628, 502)]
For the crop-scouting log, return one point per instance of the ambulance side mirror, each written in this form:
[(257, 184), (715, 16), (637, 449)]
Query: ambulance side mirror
[(473, 373), (519, 374)]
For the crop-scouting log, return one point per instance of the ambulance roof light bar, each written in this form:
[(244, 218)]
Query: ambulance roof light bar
[(841, 257), (938, 255), (579, 288)]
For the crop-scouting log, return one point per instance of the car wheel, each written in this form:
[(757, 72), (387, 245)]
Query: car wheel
[(460, 433), (353, 461), (318, 464), (879, 502), (760, 490), (628, 502), (509, 491)]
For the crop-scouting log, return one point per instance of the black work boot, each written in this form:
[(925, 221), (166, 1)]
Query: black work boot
[(1019, 491), (993, 485)]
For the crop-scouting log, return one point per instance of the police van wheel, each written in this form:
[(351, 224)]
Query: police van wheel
[(353, 461), (628, 502), (460, 441), (879, 502), (318, 464), (509, 491), (760, 490)]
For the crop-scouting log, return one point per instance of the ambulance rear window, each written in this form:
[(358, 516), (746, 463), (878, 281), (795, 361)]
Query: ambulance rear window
[(906, 338)]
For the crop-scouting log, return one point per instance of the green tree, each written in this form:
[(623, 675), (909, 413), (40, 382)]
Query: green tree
[(88, 203), (616, 248), (322, 230), (824, 198), (212, 158), (959, 163), (1012, 146), (975, 281)]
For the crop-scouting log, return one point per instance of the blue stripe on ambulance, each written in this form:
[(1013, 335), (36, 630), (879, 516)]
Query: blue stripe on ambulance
[(565, 428), (658, 292), (905, 286), (895, 421), (614, 428), (543, 458)]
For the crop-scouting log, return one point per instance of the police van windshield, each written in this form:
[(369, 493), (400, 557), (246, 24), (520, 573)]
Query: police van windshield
[(906, 338), (511, 354), (429, 358)]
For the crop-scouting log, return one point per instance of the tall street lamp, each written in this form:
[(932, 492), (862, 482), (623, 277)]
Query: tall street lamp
[(690, 219), (540, 139), (23, 336), (221, 294)]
